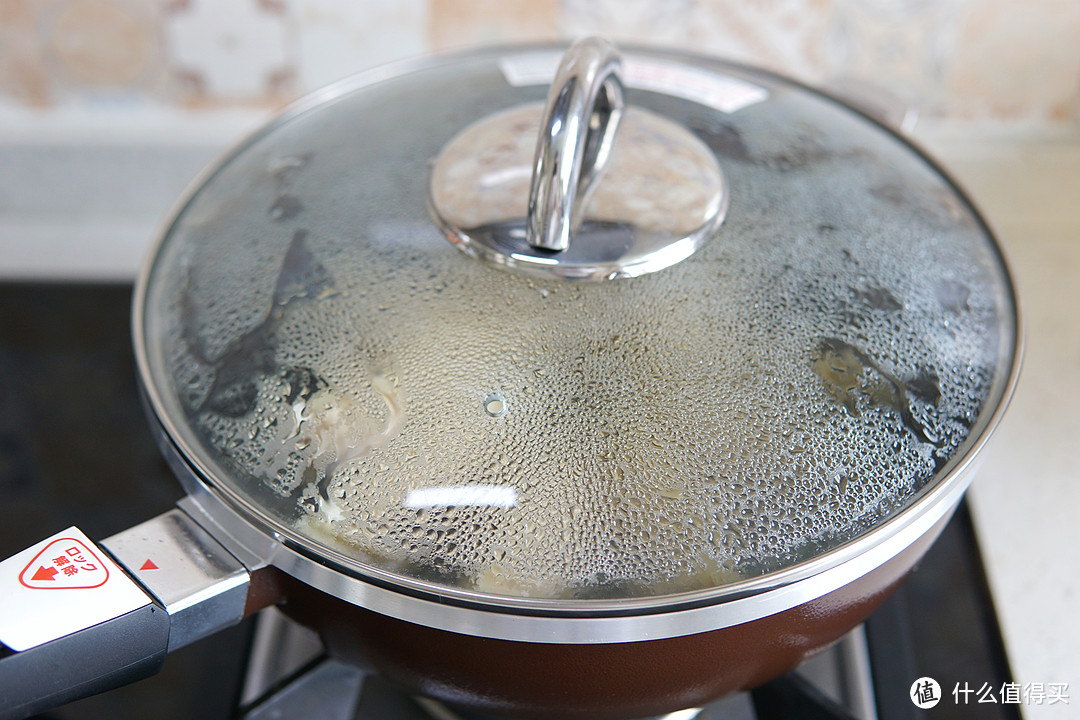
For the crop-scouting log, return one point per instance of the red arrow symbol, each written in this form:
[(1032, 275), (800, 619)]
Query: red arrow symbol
[(44, 573), (148, 565)]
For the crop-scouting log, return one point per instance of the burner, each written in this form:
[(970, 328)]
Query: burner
[(438, 711), (333, 691), (289, 676)]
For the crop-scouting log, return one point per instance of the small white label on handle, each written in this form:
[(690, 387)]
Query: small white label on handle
[(59, 586)]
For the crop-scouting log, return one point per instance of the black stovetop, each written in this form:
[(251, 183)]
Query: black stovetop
[(75, 449)]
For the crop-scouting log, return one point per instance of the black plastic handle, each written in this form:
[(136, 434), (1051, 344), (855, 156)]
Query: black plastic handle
[(80, 618), (98, 658)]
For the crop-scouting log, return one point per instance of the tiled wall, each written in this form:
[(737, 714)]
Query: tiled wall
[(998, 60)]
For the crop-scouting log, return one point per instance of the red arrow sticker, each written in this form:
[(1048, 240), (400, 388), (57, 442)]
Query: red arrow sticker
[(44, 573), (148, 565), (64, 564)]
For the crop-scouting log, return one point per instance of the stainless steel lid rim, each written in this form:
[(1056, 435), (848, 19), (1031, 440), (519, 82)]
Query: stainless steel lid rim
[(561, 622), (229, 509), (568, 628)]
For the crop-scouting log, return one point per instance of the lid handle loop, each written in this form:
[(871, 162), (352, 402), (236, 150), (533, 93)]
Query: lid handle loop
[(581, 115)]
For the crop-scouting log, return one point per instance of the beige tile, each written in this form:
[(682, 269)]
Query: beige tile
[(335, 38), (464, 23), (228, 52), (102, 44), (647, 22), (23, 76), (1018, 62), (904, 46), (786, 36)]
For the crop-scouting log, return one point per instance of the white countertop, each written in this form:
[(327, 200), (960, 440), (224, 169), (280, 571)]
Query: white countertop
[(1026, 496), (62, 217)]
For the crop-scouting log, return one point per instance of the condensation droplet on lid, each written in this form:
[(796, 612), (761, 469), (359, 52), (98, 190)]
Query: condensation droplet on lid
[(495, 405)]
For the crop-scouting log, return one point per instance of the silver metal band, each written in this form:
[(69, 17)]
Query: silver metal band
[(201, 586), (569, 622)]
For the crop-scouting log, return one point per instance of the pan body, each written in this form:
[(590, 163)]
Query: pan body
[(596, 681)]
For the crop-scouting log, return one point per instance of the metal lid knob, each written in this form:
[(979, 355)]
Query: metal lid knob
[(634, 191)]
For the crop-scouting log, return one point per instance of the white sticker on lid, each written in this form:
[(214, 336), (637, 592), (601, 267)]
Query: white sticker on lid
[(59, 586), (530, 68), (720, 92)]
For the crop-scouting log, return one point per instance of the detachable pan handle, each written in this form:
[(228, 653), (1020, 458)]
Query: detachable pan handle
[(83, 663), (78, 618)]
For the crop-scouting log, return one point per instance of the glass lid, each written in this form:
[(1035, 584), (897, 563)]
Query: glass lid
[(776, 325)]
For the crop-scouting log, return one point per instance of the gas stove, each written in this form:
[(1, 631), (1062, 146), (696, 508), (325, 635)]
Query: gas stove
[(75, 449), (289, 676)]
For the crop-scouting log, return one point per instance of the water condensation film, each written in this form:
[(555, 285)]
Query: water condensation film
[(797, 380)]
